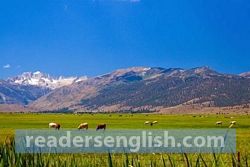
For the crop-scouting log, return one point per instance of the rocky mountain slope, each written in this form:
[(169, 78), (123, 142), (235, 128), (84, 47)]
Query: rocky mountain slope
[(142, 88), (20, 94)]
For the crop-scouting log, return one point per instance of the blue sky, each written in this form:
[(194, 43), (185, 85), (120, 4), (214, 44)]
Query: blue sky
[(92, 37)]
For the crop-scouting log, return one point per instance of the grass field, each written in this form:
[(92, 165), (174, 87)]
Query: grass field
[(10, 122)]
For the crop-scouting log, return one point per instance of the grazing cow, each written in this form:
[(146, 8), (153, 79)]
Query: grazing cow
[(147, 122), (233, 122), (154, 122), (83, 126), (218, 123), (101, 126), (54, 125)]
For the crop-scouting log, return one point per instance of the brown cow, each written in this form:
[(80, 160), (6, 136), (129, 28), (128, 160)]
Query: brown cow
[(101, 126)]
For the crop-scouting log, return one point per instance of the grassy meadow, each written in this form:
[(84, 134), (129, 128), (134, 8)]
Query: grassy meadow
[(9, 122)]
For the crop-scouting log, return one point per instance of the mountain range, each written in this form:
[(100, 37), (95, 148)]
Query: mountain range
[(44, 80), (133, 89)]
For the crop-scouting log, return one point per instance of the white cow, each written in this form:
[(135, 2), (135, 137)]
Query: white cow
[(83, 126), (54, 125), (233, 122), (154, 122)]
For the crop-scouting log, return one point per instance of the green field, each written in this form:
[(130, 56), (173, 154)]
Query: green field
[(10, 122)]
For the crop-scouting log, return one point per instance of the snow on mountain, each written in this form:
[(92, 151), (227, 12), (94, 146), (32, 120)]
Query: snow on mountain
[(44, 80), (246, 74)]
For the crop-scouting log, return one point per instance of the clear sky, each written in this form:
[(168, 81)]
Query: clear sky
[(92, 37)]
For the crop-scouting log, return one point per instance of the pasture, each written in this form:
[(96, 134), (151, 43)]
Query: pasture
[(9, 122)]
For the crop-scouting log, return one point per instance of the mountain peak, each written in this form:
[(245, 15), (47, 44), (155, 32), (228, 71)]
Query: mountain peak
[(37, 73), (44, 80), (204, 70), (133, 69), (245, 74)]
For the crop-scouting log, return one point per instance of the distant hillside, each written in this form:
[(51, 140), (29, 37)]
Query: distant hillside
[(20, 94), (140, 88)]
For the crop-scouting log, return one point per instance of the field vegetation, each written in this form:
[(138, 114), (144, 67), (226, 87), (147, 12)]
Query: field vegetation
[(10, 122)]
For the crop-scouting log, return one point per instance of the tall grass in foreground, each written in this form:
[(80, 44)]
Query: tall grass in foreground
[(8, 157)]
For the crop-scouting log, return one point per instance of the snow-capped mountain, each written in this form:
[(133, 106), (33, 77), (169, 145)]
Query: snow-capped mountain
[(44, 80), (245, 74), (130, 89)]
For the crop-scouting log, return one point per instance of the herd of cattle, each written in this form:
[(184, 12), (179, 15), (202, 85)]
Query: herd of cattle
[(150, 123), (103, 126), (81, 126), (231, 123), (98, 127)]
